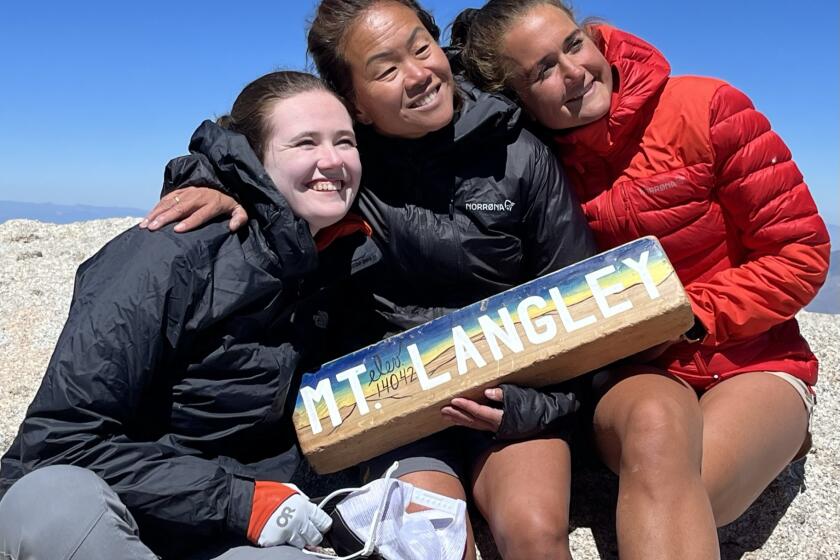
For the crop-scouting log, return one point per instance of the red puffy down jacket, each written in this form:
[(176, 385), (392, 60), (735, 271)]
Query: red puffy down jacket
[(689, 160)]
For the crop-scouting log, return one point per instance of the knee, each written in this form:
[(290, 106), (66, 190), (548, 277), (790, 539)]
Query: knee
[(662, 436), (49, 498), (545, 536), (535, 534)]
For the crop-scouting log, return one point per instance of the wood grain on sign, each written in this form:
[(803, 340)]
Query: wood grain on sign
[(551, 329)]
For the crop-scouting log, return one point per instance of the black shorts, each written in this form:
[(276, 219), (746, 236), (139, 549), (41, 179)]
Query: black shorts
[(452, 451)]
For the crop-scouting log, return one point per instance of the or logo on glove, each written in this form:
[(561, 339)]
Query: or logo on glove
[(285, 517), (282, 514)]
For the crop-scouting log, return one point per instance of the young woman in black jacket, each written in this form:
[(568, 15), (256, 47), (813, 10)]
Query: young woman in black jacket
[(162, 426), (464, 203)]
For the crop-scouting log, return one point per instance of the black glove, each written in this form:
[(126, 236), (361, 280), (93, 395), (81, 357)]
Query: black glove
[(529, 412)]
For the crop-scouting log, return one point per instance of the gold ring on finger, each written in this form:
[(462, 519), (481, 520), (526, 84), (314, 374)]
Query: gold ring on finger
[(177, 199)]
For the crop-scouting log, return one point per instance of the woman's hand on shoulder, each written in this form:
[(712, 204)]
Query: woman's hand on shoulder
[(193, 207)]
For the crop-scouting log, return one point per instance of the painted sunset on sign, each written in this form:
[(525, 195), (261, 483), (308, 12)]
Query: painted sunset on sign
[(385, 370)]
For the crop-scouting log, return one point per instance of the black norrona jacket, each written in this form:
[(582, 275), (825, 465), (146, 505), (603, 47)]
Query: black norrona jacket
[(173, 375), (466, 212), (460, 214)]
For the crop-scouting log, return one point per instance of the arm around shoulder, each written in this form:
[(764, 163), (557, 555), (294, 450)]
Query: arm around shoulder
[(192, 195)]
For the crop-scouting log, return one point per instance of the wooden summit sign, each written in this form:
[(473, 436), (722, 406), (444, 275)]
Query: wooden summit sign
[(556, 327)]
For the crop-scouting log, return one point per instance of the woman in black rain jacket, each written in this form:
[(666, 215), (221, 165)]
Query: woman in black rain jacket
[(174, 376)]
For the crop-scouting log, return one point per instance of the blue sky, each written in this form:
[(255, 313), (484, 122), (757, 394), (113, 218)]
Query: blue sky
[(95, 97)]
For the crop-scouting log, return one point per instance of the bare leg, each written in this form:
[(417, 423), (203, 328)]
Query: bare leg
[(447, 485), (753, 425), (649, 430), (522, 489)]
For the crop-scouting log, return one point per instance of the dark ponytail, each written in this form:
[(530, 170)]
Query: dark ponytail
[(460, 28), (225, 121)]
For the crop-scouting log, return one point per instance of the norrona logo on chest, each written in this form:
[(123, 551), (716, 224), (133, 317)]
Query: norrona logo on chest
[(505, 206)]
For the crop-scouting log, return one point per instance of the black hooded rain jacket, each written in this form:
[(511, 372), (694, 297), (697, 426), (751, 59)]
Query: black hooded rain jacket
[(173, 375)]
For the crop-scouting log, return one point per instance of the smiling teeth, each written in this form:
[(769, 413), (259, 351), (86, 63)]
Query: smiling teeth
[(326, 186), (425, 100)]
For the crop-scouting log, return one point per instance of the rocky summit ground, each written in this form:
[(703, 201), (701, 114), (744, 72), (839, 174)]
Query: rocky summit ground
[(798, 516)]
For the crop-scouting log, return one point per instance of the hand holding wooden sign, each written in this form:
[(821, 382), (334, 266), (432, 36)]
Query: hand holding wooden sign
[(556, 327)]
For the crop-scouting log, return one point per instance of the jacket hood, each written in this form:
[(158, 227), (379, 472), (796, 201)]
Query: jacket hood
[(479, 111), (483, 114), (640, 72), (236, 163)]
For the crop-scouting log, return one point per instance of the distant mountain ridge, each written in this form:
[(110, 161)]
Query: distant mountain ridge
[(61, 213)]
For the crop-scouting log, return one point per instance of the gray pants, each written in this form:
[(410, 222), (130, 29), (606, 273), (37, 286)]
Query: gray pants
[(68, 513)]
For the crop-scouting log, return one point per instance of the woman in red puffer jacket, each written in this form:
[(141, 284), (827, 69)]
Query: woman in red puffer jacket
[(699, 427)]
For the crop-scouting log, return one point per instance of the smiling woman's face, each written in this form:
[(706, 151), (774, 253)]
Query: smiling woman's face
[(311, 156), (402, 82), (560, 76)]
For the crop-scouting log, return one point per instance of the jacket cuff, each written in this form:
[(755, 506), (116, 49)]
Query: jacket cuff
[(268, 496), (530, 412), (706, 319), (239, 505)]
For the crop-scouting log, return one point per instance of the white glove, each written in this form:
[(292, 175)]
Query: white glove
[(296, 521)]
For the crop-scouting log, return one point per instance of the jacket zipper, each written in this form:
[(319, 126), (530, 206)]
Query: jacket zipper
[(702, 369), (612, 219), (611, 215), (455, 232)]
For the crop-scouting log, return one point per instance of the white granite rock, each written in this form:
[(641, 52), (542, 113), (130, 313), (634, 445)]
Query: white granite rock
[(798, 516)]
